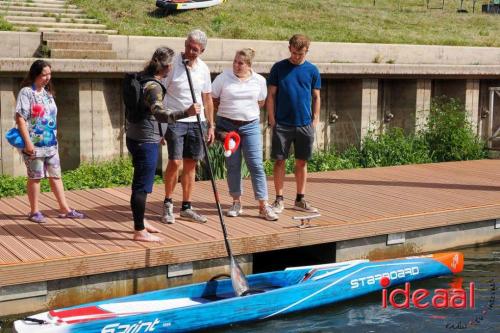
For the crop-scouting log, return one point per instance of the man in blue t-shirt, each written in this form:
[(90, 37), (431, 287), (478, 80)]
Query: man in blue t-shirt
[(293, 104)]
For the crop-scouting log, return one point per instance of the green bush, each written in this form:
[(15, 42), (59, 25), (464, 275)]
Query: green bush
[(218, 163), (5, 25), (117, 172), (449, 134), (448, 137), (11, 186), (393, 148), (113, 173)]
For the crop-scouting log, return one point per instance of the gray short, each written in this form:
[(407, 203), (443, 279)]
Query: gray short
[(302, 138), (42, 167), (184, 141)]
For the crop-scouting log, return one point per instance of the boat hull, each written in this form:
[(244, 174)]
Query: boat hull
[(214, 304), (173, 5)]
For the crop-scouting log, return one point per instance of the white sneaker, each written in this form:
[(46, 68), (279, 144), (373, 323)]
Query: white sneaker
[(278, 206), (168, 213), (191, 215), (268, 213), (235, 210)]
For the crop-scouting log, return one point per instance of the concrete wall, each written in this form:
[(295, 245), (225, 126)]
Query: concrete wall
[(91, 115), (41, 296), (25, 44), (358, 96), (138, 47), (419, 241)]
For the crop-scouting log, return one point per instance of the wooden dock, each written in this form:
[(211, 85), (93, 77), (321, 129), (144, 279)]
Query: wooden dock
[(353, 203)]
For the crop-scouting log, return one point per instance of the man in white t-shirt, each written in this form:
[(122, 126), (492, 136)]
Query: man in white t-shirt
[(184, 140)]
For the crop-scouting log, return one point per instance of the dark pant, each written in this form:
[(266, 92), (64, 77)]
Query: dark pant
[(144, 160), (302, 138), (184, 141)]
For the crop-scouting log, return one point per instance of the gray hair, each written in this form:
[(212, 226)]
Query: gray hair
[(199, 37)]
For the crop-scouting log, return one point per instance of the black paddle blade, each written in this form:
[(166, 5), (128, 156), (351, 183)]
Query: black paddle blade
[(238, 279)]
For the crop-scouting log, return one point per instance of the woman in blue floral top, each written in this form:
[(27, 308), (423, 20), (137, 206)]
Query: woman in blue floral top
[(36, 119)]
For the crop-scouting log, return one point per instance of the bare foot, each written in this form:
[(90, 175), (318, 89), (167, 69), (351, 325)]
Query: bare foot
[(145, 236), (150, 228)]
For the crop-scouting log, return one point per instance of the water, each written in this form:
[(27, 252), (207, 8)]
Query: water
[(482, 266)]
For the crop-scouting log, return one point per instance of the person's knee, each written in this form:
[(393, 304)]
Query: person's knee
[(189, 164), (279, 163), (300, 163), (174, 164)]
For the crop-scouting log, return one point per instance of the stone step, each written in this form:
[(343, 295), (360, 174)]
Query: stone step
[(82, 54), (50, 29), (36, 4), (57, 24), (68, 36), (49, 19), (68, 45), (37, 14), (4, 8)]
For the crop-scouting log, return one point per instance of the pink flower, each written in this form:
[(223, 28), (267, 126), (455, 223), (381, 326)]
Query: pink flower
[(37, 111)]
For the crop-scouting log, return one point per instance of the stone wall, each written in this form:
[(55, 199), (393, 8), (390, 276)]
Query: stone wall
[(356, 97)]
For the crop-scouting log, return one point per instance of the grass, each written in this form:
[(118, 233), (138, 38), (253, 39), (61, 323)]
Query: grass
[(389, 21), (4, 25)]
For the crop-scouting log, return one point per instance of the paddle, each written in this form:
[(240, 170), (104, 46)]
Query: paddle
[(238, 279)]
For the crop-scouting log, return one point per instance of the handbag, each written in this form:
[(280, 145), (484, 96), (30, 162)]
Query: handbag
[(14, 137)]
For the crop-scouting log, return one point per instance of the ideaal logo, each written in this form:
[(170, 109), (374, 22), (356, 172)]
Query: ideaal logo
[(454, 298)]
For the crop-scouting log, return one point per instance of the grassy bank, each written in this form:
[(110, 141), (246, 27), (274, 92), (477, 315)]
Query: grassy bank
[(389, 21)]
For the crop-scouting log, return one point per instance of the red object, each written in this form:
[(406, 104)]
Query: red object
[(37, 111), (231, 136), (385, 282)]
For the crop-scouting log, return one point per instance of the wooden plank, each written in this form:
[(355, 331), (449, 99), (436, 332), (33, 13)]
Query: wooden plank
[(354, 204)]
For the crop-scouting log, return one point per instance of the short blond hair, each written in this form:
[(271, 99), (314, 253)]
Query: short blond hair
[(248, 54), (299, 41)]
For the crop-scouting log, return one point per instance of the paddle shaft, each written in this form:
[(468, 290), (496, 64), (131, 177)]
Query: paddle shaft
[(210, 172)]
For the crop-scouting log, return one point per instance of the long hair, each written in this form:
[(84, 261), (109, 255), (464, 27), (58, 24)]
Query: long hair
[(35, 70), (162, 57)]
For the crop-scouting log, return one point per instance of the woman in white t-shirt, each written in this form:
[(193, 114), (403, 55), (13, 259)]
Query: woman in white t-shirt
[(238, 95)]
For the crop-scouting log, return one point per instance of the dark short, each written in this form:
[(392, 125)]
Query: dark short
[(144, 160), (302, 138), (184, 141)]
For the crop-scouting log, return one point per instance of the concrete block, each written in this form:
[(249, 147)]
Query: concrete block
[(82, 54), (85, 119), (29, 290), (10, 44), (370, 120), (11, 162), (420, 241), (265, 51), (423, 103), (96, 38), (472, 103), (68, 133), (119, 45), (79, 45), (29, 42), (344, 98), (142, 48)]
